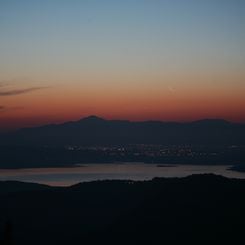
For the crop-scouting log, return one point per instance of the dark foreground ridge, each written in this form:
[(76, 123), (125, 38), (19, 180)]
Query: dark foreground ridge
[(199, 209)]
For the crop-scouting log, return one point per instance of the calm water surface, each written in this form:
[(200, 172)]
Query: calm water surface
[(90, 172)]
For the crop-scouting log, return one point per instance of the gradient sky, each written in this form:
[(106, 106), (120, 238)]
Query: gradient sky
[(170, 60)]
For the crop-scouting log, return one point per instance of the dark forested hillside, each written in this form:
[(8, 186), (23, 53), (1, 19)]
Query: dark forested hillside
[(201, 209)]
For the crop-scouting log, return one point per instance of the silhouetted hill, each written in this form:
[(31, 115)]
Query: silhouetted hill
[(97, 131), (199, 209), (16, 186)]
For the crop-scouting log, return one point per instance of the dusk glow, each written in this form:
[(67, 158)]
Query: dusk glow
[(137, 60)]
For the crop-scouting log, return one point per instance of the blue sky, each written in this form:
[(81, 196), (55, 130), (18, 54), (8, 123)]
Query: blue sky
[(160, 30)]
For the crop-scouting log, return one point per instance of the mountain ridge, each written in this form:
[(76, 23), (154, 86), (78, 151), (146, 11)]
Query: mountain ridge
[(94, 130)]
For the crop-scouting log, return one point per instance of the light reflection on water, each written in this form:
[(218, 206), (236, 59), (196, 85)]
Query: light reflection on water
[(91, 172)]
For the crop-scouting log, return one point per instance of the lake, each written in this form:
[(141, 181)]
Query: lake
[(129, 171)]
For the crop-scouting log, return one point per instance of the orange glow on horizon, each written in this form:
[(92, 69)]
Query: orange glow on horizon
[(164, 106), (183, 100)]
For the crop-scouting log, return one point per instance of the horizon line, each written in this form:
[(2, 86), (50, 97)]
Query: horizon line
[(92, 116)]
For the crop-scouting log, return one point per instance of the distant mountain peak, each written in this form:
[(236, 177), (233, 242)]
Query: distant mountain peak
[(92, 118)]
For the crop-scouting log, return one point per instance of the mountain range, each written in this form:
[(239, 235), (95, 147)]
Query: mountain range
[(93, 130)]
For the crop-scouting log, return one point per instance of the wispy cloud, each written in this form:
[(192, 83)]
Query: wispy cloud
[(20, 86), (20, 91), (10, 108)]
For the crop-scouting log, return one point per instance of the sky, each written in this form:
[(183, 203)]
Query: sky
[(168, 60)]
